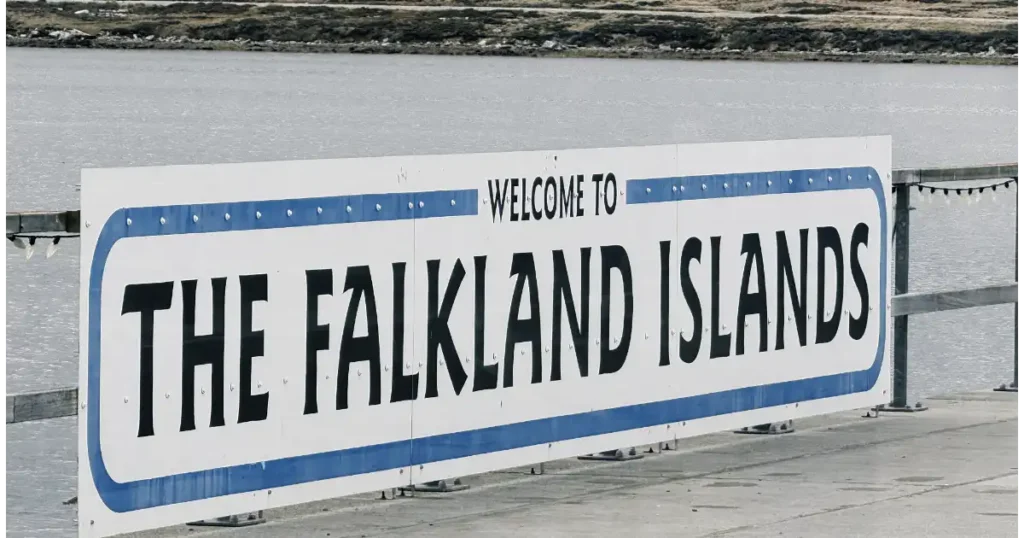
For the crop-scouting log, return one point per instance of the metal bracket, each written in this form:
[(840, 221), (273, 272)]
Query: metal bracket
[(437, 486), (889, 408), (1006, 387), (245, 520), (772, 428), (539, 469), (612, 455)]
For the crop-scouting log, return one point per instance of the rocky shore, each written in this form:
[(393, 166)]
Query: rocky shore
[(198, 26)]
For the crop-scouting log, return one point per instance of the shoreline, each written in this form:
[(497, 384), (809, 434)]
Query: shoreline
[(108, 43), (191, 25)]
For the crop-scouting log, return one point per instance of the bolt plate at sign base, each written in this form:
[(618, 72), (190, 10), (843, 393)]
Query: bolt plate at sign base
[(612, 455), (773, 428), (904, 409), (1011, 387), (437, 486), (245, 520)]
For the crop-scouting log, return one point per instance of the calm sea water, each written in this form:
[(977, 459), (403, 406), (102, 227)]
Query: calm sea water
[(72, 109)]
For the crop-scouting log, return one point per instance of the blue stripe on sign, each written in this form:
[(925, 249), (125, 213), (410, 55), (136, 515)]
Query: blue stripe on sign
[(159, 491)]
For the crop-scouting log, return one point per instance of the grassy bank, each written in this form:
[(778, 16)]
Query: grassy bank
[(215, 26)]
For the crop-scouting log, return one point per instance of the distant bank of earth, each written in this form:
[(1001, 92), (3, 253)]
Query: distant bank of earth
[(958, 31)]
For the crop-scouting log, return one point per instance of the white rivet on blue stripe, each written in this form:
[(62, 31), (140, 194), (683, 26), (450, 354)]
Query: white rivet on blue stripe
[(421, 204), (703, 187), (769, 183), (319, 210), (195, 218), (453, 203), (790, 181), (673, 188), (128, 221), (726, 185), (410, 204), (810, 180), (378, 207), (348, 209), (259, 215), (163, 221), (289, 212), (227, 216), (649, 190)]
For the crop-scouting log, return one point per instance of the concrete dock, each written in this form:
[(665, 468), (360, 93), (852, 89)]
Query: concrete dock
[(948, 471)]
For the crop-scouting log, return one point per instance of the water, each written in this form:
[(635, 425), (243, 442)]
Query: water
[(72, 109)]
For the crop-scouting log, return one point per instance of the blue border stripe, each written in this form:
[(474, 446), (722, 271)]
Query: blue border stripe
[(273, 214)]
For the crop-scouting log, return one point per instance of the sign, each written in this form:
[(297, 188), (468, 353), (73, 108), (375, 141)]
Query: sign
[(264, 334)]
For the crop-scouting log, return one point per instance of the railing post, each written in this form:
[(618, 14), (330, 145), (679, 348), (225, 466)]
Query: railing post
[(901, 282), (1018, 307), (1012, 387)]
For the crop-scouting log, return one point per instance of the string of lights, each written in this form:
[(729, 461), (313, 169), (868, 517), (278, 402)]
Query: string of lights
[(972, 194)]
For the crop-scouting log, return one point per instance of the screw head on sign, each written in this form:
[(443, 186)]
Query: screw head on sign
[(348, 209), (163, 221), (378, 207), (167, 395), (726, 186), (410, 204), (869, 177), (289, 212), (790, 181), (285, 381), (649, 190), (128, 221), (259, 215), (231, 387), (227, 216), (421, 204), (202, 390), (830, 179), (453, 203), (125, 399), (769, 183), (810, 180), (748, 184), (195, 218), (259, 384), (849, 178), (673, 189), (703, 187), (319, 210)]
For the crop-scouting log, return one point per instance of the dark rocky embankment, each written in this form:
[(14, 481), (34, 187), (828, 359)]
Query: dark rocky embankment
[(217, 26)]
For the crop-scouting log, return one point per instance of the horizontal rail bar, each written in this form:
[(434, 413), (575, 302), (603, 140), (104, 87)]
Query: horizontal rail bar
[(44, 221), (913, 176), (54, 403), (923, 303), (63, 402)]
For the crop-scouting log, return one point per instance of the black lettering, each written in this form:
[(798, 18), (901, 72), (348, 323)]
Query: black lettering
[(146, 299), (596, 179), (513, 214), (251, 407), (523, 330), (550, 197), (318, 282), (566, 197), (609, 181), (439, 335), (537, 210), (579, 327), (615, 257), (403, 387), (859, 324), (579, 195), (688, 349), (720, 342), (203, 349), (485, 376), (752, 303), (665, 249), (497, 199), (524, 214), (798, 299), (828, 238), (359, 348)]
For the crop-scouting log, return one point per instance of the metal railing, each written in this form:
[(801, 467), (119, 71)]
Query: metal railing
[(61, 402)]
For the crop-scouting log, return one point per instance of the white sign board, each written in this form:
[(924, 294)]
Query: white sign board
[(259, 335)]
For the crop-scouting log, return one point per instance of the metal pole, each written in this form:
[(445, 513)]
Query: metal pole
[(1012, 387), (1018, 308), (901, 281)]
